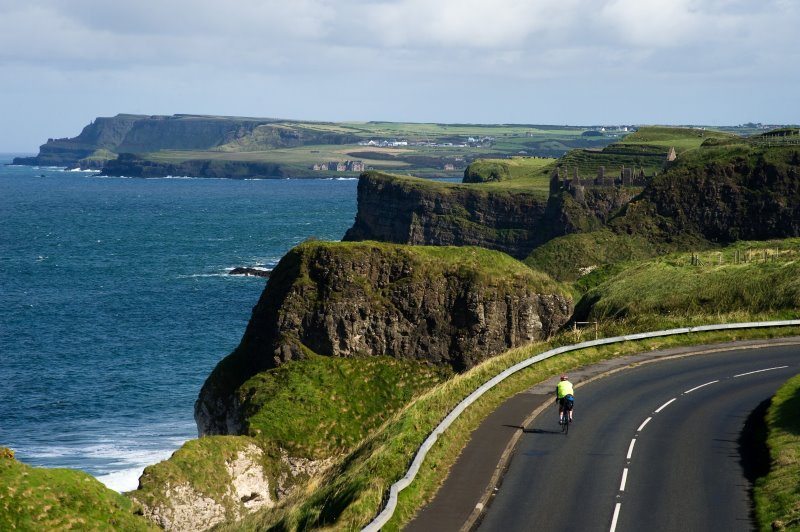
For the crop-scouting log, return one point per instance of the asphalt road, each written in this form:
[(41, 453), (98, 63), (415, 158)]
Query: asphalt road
[(670, 429)]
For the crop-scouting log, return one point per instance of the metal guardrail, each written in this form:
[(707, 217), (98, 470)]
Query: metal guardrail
[(387, 512)]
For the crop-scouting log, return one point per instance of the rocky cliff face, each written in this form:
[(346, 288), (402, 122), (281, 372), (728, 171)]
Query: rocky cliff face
[(448, 306), (515, 222), (105, 133), (143, 134), (129, 165), (419, 212), (742, 194)]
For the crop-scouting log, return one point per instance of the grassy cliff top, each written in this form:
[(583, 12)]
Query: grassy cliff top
[(531, 174), (681, 138), (492, 268), (33, 498)]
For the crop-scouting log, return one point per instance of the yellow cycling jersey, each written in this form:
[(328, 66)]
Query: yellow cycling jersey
[(563, 389)]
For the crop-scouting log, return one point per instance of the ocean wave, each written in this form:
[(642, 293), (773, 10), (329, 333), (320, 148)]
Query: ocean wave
[(82, 171), (183, 177), (122, 481)]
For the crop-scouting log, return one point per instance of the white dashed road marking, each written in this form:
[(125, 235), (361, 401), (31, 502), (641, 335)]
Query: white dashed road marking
[(624, 480), (616, 516), (701, 386), (758, 371), (630, 449), (665, 405)]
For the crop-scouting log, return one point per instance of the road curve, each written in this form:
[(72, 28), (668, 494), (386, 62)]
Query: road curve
[(654, 447)]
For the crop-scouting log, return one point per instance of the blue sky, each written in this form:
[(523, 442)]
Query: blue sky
[(62, 63)]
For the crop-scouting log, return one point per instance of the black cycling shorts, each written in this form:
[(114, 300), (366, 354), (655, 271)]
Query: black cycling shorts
[(563, 402)]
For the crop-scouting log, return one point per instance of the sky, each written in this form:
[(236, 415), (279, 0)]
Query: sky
[(576, 62)]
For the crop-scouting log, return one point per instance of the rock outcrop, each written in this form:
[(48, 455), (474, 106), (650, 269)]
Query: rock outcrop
[(106, 137), (184, 503), (727, 194), (440, 214), (447, 306), (429, 213), (130, 165)]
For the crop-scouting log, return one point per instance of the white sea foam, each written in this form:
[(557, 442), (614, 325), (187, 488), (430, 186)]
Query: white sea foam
[(121, 481), (83, 171)]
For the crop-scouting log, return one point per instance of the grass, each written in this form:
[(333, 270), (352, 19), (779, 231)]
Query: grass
[(350, 494), (33, 498), (747, 279), (304, 156), (571, 257), (777, 495), (515, 174), (681, 138), (322, 406)]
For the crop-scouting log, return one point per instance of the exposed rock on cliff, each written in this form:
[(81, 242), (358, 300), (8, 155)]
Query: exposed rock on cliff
[(721, 195), (453, 307), (440, 214), (141, 134), (430, 213), (130, 165), (212, 480)]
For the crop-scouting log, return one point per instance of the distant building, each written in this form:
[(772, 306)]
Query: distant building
[(355, 166), (449, 166)]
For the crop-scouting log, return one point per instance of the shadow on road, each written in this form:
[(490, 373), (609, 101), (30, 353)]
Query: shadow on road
[(540, 431)]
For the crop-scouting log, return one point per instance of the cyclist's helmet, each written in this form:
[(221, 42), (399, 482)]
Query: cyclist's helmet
[(564, 377)]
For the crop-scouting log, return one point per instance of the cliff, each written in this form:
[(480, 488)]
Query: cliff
[(721, 195), (106, 137), (510, 220), (446, 306), (130, 165)]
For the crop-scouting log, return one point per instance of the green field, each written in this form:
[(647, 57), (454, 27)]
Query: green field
[(432, 150)]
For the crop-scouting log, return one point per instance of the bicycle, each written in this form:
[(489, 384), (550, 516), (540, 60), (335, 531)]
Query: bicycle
[(566, 408)]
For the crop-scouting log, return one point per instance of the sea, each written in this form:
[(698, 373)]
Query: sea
[(116, 302)]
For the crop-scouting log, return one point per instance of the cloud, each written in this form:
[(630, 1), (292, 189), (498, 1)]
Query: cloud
[(351, 56), (272, 34)]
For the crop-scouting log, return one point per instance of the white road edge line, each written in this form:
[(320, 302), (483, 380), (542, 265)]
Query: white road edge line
[(702, 385), (624, 479), (665, 405), (630, 449), (758, 371), (616, 516), (645, 422)]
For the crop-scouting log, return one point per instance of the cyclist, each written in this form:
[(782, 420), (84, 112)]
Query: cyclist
[(564, 397)]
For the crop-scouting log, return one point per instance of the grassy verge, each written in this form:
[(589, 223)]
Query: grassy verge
[(777, 496), (749, 279), (350, 494), (33, 498)]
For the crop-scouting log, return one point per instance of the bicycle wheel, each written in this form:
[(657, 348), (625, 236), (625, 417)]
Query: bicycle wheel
[(565, 422)]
